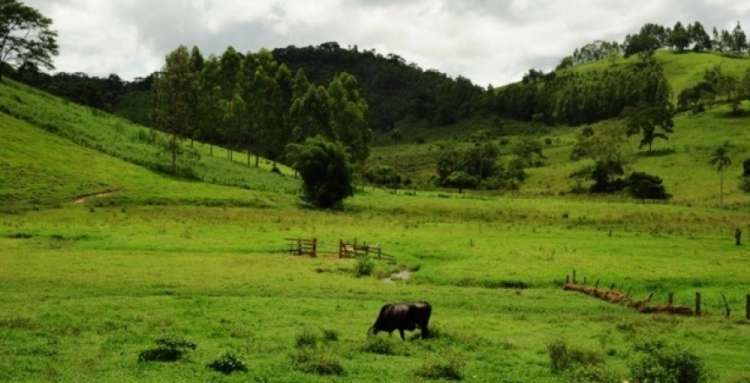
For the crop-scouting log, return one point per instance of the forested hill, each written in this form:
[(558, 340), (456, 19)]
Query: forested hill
[(394, 88)]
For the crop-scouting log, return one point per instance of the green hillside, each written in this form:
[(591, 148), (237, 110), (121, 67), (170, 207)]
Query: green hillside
[(682, 161), (683, 70), (136, 144)]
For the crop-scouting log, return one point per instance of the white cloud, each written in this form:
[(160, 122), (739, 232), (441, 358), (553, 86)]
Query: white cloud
[(487, 41)]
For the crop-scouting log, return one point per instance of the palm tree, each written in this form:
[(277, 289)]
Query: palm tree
[(720, 160)]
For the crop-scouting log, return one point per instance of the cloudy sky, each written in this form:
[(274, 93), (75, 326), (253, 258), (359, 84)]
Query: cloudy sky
[(486, 41)]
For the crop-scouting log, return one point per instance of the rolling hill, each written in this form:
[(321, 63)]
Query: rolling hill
[(682, 161)]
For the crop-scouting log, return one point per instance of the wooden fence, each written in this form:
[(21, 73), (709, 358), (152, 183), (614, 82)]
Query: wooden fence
[(300, 247), (310, 247), (645, 306)]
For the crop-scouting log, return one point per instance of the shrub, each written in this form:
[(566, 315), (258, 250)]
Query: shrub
[(380, 345), (420, 140), (364, 266), (314, 362), (330, 335), (548, 141), (228, 363), (642, 185), (167, 350), (659, 362), (595, 374), (745, 185), (563, 357), (529, 151), (746, 168), (325, 170), (448, 368), (306, 338), (461, 180), (384, 176)]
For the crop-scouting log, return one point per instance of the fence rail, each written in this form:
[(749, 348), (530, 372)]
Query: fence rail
[(301, 247)]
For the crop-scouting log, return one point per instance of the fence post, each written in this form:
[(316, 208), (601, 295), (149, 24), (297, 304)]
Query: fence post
[(747, 307), (697, 304), (584, 281), (315, 248), (670, 300), (574, 276), (727, 309), (567, 282)]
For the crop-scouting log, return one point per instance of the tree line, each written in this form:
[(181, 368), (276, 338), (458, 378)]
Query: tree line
[(683, 37), (252, 103)]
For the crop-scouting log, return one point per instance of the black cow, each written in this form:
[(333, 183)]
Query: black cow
[(403, 316)]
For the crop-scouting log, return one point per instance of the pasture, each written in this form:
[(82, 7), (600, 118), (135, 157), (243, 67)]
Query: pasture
[(87, 287)]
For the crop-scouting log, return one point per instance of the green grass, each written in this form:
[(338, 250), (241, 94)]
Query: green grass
[(120, 138), (86, 287)]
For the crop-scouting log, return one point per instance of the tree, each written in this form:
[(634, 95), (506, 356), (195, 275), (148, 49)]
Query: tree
[(461, 180), (384, 176), (529, 151), (174, 92), (396, 135), (700, 39), (26, 37), (349, 116), (646, 186), (720, 160), (738, 40), (209, 103), (325, 170), (679, 37)]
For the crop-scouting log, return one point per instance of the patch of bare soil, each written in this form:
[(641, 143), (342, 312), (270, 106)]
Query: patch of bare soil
[(83, 198)]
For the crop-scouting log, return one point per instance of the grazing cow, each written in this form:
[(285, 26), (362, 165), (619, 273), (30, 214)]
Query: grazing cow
[(403, 316)]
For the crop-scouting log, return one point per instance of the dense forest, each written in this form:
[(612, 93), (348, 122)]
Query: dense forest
[(394, 88)]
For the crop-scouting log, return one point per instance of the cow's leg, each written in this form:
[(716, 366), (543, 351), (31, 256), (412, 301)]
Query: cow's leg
[(401, 331), (425, 331)]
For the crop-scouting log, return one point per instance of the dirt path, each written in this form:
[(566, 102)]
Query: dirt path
[(82, 199)]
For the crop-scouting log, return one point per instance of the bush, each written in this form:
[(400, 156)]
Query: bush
[(384, 176), (364, 266), (745, 185), (563, 357), (325, 170), (461, 180), (659, 362), (646, 186), (448, 368), (746, 168), (595, 374), (380, 345), (306, 338), (330, 335), (167, 350), (313, 362), (420, 140), (228, 363)]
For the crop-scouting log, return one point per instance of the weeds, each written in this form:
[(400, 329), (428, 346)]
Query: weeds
[(450, 367), (314, 361), (167, 350), (228, 363)]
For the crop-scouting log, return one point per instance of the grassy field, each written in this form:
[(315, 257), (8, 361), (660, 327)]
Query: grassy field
[(103, 254)]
